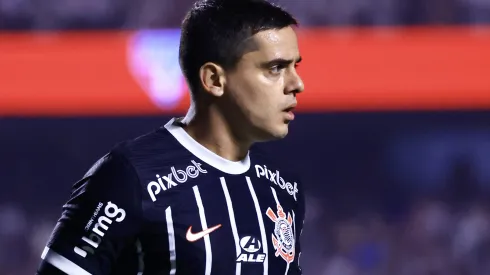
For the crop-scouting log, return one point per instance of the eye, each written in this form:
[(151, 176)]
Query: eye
[(276, 69)]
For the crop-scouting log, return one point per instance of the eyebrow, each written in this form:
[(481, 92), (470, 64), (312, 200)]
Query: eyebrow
[(281, 61)]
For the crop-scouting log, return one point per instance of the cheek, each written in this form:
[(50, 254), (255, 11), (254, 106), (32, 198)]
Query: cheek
[(268, 91), (259, 96), (264, 99)]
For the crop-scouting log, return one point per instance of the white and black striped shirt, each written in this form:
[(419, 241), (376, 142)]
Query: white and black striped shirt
[(164, 204)]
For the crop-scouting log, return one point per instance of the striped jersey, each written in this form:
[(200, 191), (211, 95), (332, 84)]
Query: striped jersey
[(164, 204)]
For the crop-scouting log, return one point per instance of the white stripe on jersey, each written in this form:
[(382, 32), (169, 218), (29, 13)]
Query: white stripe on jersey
[(287, 269), (171, 240), (275, 196), (294, 224), (141, 260), (234, 230), (207, 243), (62, 263), (261, 225)]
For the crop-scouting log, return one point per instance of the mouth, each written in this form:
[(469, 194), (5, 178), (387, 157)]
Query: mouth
[(289, 112)]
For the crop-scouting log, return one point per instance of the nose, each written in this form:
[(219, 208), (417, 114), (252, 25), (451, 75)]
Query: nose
[(295, 83)]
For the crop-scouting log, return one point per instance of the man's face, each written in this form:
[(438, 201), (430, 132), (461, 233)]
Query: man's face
[(262, 88)]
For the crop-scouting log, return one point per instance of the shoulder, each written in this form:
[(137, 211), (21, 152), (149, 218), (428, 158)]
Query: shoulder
[(160, 162), (157, 142), (123, 166), (158, 145), (111, 177)]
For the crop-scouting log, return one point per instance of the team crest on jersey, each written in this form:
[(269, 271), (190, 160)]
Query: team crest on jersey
[(283, 236)]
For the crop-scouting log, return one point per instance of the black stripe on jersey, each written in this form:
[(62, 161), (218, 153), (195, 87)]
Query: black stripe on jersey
[(260, 219), (246, 222), (190, 255), (216, 213), (154, 240)]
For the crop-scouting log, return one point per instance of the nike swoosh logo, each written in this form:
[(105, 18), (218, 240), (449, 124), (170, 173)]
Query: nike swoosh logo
[(192, 237)]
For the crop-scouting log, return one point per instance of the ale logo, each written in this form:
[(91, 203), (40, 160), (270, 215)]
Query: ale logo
[(250, 250)]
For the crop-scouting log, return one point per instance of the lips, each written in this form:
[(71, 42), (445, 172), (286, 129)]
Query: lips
[(289, 112), (290, 108)]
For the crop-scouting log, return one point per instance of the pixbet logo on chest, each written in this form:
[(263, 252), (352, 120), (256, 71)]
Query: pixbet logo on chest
[(275, 178), (181, 176)]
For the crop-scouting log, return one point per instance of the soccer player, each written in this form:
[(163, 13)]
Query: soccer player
[(191, 197)]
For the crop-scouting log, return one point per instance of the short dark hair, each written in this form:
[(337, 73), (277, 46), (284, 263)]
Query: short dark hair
[(213, 30)]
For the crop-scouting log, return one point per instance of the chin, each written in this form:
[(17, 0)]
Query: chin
[(282, 133), (273, 133)]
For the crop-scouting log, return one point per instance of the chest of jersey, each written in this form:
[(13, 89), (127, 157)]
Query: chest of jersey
[(219, 223)]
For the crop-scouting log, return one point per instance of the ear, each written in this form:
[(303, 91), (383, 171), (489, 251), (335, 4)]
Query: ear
[(212, 79)]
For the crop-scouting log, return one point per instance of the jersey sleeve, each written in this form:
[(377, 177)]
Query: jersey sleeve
[(100, 220)]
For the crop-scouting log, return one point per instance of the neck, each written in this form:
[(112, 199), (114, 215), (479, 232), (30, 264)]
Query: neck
[(208, 126)]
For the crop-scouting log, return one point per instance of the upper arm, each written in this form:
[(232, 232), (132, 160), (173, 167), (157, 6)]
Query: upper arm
[(99, 221)]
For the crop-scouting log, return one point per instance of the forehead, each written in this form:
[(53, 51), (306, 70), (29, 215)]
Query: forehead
[(273, 44)]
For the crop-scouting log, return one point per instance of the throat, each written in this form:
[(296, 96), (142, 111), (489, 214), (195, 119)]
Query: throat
[(218, 138)]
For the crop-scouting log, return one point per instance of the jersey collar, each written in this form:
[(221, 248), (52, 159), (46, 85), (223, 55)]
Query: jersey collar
[(203, 153)]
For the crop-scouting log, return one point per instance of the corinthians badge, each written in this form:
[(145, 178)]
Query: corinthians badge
[(283, 237)]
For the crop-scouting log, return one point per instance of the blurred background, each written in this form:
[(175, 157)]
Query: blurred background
[(392, 138)]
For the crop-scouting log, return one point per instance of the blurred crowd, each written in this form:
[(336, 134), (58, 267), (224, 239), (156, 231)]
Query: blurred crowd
[(444, 233), (434, 239), (130, 14)]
